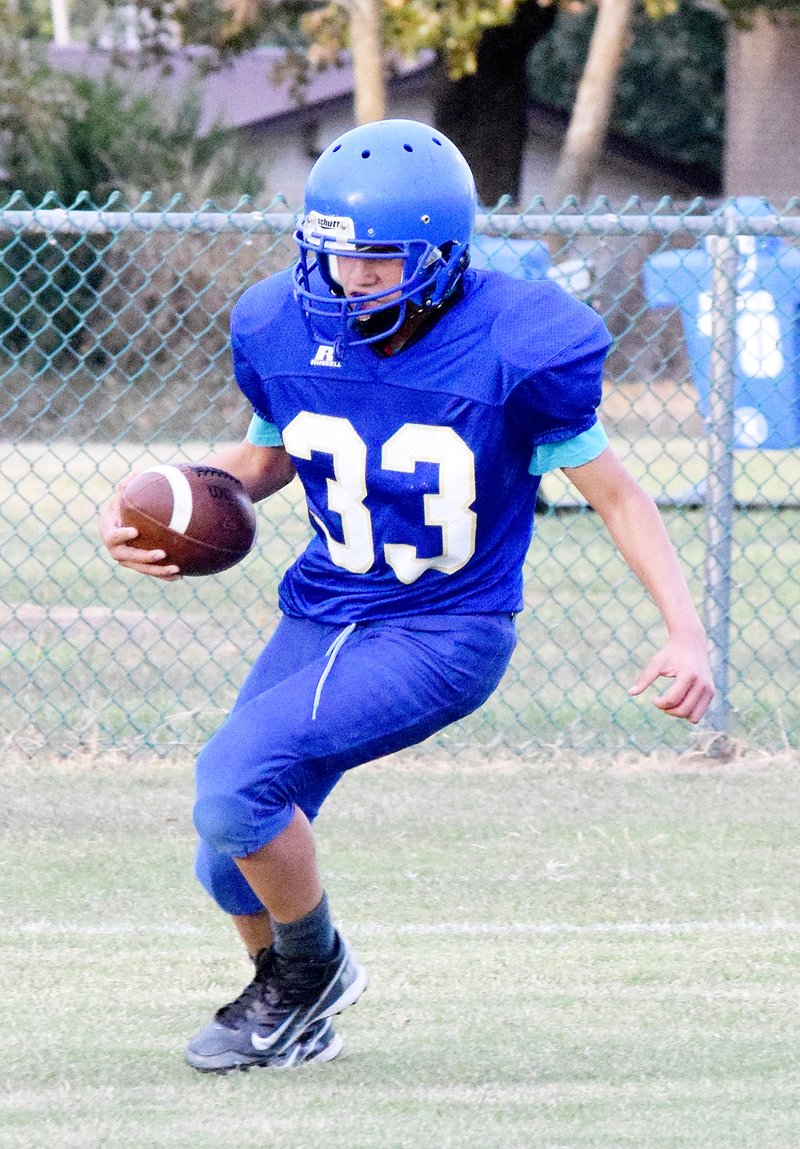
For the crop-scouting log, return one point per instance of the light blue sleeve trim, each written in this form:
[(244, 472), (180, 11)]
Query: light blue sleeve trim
[(570, 452), (263, 434)]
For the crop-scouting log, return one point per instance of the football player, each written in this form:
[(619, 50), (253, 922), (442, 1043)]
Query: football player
[(419, 402)]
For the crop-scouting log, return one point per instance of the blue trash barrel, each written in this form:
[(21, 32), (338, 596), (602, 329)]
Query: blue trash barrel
[(523, 258), (767, 344)]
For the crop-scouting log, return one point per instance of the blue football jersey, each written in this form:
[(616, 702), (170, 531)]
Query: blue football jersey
[(416, 467)]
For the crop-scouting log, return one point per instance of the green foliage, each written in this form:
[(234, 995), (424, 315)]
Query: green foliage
[(743, 11), (47, 287), (30, 18), (70, 135), (35, 104), (410, 26), (99, 139), (670, 96), (127, 143), (233, 28), (77, 141), (454, 30)]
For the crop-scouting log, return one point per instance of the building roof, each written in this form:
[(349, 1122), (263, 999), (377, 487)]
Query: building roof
[(237, 93)]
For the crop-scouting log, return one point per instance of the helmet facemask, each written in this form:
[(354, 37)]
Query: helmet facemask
[(428, 277), (386, 190)]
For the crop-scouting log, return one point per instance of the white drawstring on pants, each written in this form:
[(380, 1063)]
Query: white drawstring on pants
[(331, 653)]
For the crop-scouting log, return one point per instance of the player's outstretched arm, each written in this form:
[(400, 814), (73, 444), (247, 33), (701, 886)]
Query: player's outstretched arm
[(641, 537)]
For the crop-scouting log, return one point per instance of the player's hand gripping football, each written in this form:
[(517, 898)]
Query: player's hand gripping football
[(118, 539)]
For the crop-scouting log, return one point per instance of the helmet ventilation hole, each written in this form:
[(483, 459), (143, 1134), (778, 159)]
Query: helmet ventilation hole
[(365, 155), (408, 147)]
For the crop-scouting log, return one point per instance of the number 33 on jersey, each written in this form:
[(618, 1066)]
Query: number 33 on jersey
[(449, 508)]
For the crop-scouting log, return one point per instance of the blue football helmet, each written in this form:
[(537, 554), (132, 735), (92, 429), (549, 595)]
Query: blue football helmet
[(393, 188)]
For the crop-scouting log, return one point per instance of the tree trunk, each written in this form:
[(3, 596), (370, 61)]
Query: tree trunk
[(762, 123), (59, 14), (486, 114), (586, 134), (366, 50)]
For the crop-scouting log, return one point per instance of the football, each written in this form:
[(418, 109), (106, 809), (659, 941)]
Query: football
[(201, 517)]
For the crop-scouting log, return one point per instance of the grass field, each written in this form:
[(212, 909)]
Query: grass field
[(575, 953)]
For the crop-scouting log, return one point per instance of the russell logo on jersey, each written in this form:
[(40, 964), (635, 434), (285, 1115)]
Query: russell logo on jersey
[(324, 357)]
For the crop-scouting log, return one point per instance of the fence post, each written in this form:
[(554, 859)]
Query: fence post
[(724, 255)]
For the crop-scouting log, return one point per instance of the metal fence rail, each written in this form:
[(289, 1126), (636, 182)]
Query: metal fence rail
[(114, 353)]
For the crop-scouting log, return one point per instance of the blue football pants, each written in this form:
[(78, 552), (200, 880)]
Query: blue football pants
[(319, 700)]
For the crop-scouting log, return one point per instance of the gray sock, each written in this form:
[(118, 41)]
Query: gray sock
[(311, 938)]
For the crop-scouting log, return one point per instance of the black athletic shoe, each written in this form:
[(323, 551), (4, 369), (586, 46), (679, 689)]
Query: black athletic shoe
[(296, 993), (278, 1011)]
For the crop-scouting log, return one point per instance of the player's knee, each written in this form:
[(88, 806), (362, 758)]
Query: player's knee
[(226, 823), (219, 875)]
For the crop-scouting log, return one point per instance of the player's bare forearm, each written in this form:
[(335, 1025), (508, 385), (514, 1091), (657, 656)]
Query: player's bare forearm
[(638, 530), (261, 470), (640, 534)]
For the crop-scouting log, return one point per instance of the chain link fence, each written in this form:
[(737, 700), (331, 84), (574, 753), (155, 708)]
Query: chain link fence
[(114, 353)]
